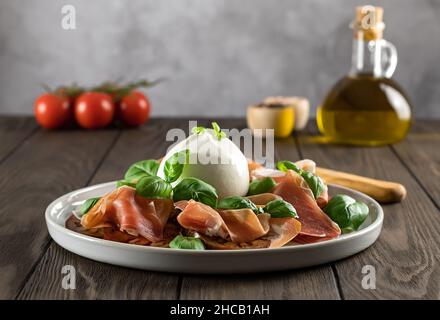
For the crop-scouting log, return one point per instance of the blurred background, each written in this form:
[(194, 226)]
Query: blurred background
[(218, 55)]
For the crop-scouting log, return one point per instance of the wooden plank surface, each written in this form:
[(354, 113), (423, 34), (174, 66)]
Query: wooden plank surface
[(421, 154), (13, 131), (313, 283), (407, 254), (45, 166)]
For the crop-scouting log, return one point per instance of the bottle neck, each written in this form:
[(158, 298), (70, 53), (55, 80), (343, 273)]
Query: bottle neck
[(367, 58)]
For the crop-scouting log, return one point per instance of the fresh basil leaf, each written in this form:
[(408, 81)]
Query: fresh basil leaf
[(279, 208), (359, 212), (337, 210), (190, 243), (174, 165), (217, 131), (121, 183), (154, 187), (89, 204), (198, 190), (288, 165), (198, 130), (261, 186), (236, 202), (141, 169), (348, 213), (315, 183)]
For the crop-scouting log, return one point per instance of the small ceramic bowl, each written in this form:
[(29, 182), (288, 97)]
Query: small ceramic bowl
[(281, 118), (301, 106)]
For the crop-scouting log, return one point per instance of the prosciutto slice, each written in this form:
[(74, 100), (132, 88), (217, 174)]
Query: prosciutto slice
[(322, 200), (181, 205), (262, 173), (204, 219), (238, 228), (263, 198), (307, 165), (310, 166), (252, 165), (278, 176), (282, 231), (257, 171), (314, 222), (130, 213), (244, 225), (238, 225)]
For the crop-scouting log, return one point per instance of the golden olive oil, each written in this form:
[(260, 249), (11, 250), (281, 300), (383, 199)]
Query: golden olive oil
[(367, 107), (365, 110)]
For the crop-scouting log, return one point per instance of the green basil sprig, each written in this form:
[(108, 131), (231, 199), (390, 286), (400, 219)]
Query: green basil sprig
[(141, 169), (288, 165), (89, 204), (190, 243), (217, 131), (237, 202), (314, 182), (193, 188), (279, 208), (154, 187), (198, 130), (173, 167), (348, 213), (261, 186)]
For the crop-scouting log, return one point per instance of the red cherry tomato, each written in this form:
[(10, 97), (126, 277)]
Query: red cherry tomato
[(134, 108), (52, 111), (94, 110)]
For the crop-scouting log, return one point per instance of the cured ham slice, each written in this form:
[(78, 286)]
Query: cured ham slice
[(130, 213), (263, 198), (314, 222), (304, 239), (257, 172), (310, 166), (322, 200), (282, 231), (307, 165), (73, 223), (204, 219), (238, 225), (181, 205), (262, 173), (171, 230), (244, 225), (252, 165)]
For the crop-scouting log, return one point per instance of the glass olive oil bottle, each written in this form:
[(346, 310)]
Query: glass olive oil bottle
[(367, 107)]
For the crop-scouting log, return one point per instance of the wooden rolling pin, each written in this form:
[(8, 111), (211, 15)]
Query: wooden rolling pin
[(382, 191)]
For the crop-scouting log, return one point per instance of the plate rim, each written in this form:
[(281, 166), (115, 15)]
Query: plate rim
[(108, 243)]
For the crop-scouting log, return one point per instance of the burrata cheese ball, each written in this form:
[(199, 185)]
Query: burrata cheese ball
[(214, 160)]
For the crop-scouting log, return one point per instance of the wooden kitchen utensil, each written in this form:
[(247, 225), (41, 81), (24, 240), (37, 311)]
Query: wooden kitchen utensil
[(382, 191)]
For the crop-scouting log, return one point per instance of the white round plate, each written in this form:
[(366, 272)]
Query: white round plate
[(209, 261)]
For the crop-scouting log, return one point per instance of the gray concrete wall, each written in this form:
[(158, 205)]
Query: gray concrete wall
[(218, 55)]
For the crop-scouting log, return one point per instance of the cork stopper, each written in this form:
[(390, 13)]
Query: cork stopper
[(368, 24)]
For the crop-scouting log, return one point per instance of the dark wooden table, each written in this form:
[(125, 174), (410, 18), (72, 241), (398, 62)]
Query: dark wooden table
[(37, 166)]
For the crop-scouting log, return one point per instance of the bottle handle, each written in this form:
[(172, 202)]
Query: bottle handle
[(389, 52)]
